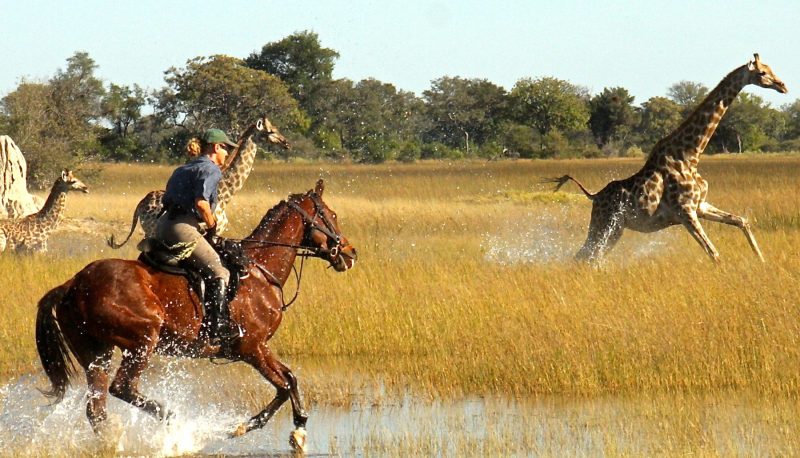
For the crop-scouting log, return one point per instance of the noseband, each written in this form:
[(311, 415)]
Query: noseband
[(326, 228)]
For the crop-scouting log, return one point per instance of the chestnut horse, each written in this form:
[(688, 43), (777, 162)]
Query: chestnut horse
[(130, 305)]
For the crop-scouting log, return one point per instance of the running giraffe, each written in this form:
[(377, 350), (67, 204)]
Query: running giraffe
[(668, 190), (234, 174)]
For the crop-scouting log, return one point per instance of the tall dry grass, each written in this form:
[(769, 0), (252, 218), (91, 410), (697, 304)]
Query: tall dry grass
[(464, 282)]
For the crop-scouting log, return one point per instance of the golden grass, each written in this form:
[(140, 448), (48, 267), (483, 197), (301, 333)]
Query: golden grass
[(464, 283)]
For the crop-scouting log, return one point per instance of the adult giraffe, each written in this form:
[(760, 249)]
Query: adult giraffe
[(234, 174), (668, 190)]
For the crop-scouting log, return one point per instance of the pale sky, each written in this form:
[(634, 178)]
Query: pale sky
[(643, 46)]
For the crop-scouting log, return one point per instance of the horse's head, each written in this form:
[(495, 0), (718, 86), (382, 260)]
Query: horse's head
[(322, 232)]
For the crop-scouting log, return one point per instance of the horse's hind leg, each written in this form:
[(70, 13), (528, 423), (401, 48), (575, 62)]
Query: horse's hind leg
[(97, 380), (95, 358), (126, 382)]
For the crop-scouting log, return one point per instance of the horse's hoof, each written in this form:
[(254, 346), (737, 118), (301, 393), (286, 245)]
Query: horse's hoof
[(297, 439), (240, 430)]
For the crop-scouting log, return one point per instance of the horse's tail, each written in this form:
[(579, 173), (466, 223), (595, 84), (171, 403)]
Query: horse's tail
[(561, 181), (50, 343), (111, 241)]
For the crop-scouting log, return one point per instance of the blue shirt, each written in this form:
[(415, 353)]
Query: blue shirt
[(197, 178)]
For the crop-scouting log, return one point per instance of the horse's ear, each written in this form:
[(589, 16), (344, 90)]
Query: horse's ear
[(64, 174), (320, 187)]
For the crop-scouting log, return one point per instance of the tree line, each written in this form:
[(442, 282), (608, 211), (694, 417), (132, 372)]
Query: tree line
[(74, 116)]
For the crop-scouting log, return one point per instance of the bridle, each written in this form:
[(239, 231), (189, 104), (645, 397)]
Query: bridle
[(319, 222)]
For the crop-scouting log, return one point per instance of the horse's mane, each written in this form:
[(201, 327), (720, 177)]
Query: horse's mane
[(279, 209)]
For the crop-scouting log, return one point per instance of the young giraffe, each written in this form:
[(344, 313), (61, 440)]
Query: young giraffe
[(30, 233), (234, 174), (668, 190)]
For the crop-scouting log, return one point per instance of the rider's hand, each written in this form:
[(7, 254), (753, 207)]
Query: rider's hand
[(211, 233)]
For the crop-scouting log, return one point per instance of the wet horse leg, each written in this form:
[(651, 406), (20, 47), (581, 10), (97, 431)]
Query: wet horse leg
[(95, 358), (286, 385), (97, 380), (95, 362), (126, 381)]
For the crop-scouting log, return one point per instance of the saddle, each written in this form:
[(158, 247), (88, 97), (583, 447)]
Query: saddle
[(169, 259)]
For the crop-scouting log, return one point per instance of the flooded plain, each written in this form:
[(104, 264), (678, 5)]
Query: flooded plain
[(357, 417)]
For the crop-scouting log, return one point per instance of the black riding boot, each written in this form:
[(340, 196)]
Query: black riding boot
[(220, 322)]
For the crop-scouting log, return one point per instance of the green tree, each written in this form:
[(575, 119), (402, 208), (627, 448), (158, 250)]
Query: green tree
[(611, 114), (750, 124), (122, 107), (463, 111), (549, 104), (376, 119), (220, 91), (659, 117), (792, 120), (687, 94), (299, 60), (55, 123)]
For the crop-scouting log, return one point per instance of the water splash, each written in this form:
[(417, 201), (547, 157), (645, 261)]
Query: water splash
[(532, 238), (200, 426), (542, 238)]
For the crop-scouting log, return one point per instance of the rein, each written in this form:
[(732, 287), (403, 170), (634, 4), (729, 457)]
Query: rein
[(303, 251)]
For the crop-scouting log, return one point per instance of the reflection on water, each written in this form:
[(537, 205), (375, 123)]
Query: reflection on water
[(209, 401)]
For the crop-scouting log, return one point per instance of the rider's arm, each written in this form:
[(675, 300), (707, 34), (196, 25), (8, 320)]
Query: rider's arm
[(204, 209)]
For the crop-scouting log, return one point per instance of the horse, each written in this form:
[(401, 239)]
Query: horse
[(141, 310)]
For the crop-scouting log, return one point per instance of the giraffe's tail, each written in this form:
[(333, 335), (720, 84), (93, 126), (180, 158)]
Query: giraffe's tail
[(561, 181), (111, 240)]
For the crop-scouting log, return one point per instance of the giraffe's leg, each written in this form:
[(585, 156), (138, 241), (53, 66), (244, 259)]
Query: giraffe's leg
[(605, 230), (711, 213), (692, 224)]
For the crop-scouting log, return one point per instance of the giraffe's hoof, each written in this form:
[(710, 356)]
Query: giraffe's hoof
[(297, 439)]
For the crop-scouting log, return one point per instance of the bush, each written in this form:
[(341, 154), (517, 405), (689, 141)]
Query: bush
[(409, 151), (633, 151), (436, 150)]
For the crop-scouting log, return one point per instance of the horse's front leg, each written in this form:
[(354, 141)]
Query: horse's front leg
[(286, 385)]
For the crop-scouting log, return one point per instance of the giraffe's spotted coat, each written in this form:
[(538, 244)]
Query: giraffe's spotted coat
[(30, 233), (668, 190)]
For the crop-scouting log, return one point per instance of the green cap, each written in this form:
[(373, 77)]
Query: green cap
[(217, 136)]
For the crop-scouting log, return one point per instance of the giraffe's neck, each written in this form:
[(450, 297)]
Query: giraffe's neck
[(239, 167), (690, 139), (53, 208)]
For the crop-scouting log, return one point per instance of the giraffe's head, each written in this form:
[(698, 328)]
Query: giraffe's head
[(761, 75), (274, 136), (68, 182)]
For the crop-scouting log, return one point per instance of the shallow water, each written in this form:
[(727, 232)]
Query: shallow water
[(209, 402)]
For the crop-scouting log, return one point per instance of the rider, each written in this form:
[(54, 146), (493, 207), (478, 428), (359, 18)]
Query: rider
[(189, 202)]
